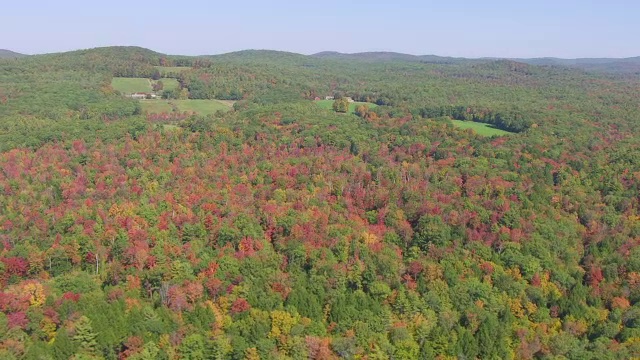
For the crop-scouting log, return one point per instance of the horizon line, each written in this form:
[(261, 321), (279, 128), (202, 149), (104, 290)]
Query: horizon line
[(321, 52)]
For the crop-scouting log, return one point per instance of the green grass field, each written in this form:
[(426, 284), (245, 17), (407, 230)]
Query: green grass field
[(131, 85), (328, 104), (481, 129), (169, 83), (201, 107), (156, 106)]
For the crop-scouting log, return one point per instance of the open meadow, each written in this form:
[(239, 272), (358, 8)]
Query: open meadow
[(170, 84), (131, 85), (480, 128)]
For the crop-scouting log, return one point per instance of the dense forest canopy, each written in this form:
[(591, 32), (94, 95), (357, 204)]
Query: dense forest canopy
[(283, 229)]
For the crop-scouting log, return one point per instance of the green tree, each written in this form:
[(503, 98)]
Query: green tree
[(63, 347), (431, 229), (150, 351), (193, 347), (85, 337), (467, 347), (491, 338), (341, 105)]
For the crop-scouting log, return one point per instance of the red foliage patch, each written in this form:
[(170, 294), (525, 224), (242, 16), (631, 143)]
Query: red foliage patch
[(239, 306)]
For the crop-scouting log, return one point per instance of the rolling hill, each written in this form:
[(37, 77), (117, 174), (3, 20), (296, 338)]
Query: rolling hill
[(8, 54), (96, 55), (589, 64)]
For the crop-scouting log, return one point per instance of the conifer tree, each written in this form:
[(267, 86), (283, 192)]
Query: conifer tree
[(85, 337)]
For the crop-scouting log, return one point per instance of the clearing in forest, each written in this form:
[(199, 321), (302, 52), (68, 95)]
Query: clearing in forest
[(169, 84), (481, 129), (131, 85)]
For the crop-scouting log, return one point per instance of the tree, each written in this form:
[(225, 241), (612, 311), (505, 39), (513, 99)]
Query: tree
[(85, 337), (491, 338), (193, 347), (63, 347), (158, 86), (150, 351), (341, 105), (431, 229), (467, 346), (362, 111)]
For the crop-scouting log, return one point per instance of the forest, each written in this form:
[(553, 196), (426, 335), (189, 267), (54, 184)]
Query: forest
[(282, 229)]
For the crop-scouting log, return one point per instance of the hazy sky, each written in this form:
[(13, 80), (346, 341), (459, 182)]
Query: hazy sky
[(470, 28)]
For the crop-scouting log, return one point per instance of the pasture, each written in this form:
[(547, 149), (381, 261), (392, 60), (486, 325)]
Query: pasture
[(169, 83), (328, 104), (156, 106), (481, 129), (131, 85)]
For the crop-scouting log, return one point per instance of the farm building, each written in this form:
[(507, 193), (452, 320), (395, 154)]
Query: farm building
[(140, 95), (328, 97)]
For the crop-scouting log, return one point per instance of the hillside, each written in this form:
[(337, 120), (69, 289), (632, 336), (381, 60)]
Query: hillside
[(626, 65), (6, 54), (456, 209), (388, 56)]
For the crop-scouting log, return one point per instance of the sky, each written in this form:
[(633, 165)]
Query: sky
[(461, 28)]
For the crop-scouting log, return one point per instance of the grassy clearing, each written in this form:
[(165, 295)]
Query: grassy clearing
[(131, 85), (169, 83), (156, 106), (201, 107), (481, 129), (328, 104)]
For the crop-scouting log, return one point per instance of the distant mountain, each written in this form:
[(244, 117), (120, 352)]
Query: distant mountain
[(625, 65), (258, 55), (611, 65), (388, 56), (368, 56), (6, 54), (120, 52)]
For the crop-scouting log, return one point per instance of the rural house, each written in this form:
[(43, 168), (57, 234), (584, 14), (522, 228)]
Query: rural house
[(140, 95)]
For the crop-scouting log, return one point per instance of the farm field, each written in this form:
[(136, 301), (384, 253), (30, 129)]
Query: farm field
[(131, 85), (328, 104), (170, 84), (201, 107), (480, 128), (156, 106)]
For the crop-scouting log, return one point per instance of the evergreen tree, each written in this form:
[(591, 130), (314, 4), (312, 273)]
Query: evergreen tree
[(467, 347), (85, 337), (63, 347)]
